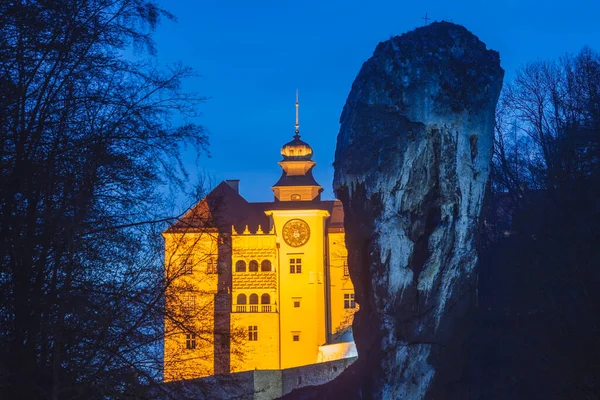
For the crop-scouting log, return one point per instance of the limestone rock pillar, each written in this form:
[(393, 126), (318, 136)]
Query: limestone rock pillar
[(411, 167)]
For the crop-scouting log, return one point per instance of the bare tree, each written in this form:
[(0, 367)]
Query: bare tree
[(548, 124), (86, 141), (541, 261)]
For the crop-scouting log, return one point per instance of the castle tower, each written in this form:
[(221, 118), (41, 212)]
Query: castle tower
[(297, 182)]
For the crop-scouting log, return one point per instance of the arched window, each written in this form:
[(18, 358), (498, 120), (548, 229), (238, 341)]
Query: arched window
[(253, 267), (253, 298), (265, 265), (241, 299), (265, 299), (240, 266), (296, 197)]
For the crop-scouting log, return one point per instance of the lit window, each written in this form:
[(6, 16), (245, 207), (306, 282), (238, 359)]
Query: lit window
[(265, 266), (349, 300), (190, 341), (241, 303), (189, 303), (253, 300), (253, 266), (240, 266), (211, 265), (296, 197), (346, 270), (186, 264), (265, 299), (253, 333), (295, 265)]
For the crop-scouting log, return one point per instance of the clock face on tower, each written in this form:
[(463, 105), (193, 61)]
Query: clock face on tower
[(296, 232)]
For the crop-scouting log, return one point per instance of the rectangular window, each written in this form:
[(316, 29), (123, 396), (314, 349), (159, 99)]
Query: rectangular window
[(190, 341), (296, 303), (346, 271), (211, 265), (349, 300), (295, 265), (253, 333), (189, 303), (296, 337), (186, 264)]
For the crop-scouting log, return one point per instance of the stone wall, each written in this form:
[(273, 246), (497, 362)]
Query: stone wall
[(314, 374), (254, 385)]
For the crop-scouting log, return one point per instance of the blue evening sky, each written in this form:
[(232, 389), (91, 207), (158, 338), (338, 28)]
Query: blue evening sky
[(253, 55)]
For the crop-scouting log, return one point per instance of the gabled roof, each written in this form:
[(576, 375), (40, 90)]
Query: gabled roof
[(224, 207)]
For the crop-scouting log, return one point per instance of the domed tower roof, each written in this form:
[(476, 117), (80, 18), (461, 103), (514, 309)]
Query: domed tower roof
[(297, 150), (297, 182)]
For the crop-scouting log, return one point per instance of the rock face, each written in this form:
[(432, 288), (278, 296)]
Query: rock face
[(412, 164)]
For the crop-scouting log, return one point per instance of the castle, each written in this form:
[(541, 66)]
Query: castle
[(258, 286)]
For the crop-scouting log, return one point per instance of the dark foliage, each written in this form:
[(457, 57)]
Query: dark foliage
[(537, 318), (85, 141)]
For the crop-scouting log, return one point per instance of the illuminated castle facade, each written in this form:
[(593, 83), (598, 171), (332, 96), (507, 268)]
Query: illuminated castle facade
[(258, 285)]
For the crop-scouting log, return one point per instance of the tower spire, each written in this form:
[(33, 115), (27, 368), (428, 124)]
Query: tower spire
[(297, 124)]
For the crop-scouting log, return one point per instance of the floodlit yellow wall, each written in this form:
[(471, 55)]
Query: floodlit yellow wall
[(189, 304), (340, 283), (262, 353), (277, 322), (307, 321)]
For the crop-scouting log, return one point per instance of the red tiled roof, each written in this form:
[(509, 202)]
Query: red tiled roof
[(224, 207)]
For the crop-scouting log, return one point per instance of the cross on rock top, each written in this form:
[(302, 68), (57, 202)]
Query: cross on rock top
[(426, 18)]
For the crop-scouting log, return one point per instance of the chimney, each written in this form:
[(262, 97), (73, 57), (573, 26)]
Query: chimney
[(234, 183)]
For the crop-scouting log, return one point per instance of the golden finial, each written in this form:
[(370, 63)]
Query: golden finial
[(297, 124)]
